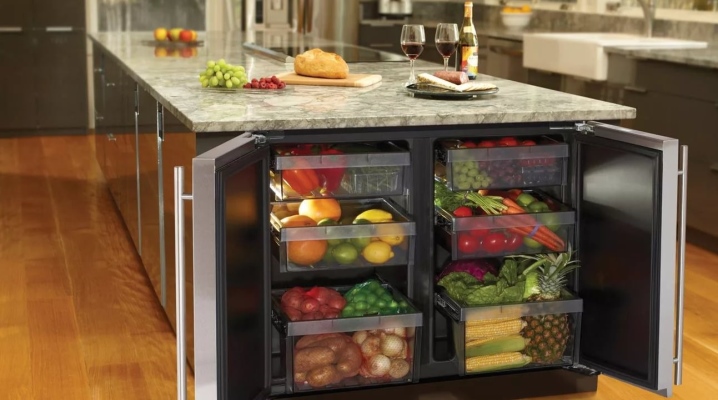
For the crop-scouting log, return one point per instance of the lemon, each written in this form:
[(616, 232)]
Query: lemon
[(377, 252), (391, 234)]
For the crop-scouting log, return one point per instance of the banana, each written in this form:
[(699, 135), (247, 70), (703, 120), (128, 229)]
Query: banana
[(375, 216)]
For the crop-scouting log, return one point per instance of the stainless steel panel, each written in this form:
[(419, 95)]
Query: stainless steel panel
[(330, 19), (666, 280), (680, 301)]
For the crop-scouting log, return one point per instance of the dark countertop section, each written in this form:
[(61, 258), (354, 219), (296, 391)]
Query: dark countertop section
[(707, 58)]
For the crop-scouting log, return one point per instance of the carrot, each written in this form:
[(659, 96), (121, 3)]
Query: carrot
[(542, 235)]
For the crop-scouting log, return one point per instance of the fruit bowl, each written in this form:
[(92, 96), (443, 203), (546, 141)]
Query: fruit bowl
[(516, 20)]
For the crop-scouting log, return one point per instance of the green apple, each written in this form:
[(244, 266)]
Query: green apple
[(532, 243)]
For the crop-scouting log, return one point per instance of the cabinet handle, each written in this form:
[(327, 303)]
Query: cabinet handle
[(110, 84), (683, 178), (180, 296), (10, 29), (58, 29), (381, 45), (635, 89), (98, 70), (111, 137)]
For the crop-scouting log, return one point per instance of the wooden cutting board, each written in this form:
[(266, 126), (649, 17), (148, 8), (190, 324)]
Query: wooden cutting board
[(352, 80)]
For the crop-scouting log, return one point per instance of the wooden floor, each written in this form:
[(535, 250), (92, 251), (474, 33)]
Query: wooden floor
[(79, 320)]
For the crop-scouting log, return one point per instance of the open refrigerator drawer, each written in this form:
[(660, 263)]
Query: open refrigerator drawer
[(339, 171), (513, 336), (364, 347), (501, 165), (478, 236), (354, 234)]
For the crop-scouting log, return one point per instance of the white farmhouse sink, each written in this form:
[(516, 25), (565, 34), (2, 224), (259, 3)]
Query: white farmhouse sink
[(583, 54)]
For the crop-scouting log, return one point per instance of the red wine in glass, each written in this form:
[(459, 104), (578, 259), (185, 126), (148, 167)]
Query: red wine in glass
[(446, 49), (412, 50)]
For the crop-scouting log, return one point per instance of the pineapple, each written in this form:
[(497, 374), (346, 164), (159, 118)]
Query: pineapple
[(548, 334)]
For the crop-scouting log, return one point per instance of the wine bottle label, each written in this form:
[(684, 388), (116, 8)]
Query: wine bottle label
[(470, 60)]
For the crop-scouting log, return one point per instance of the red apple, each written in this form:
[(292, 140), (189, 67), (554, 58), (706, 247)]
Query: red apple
[(185, 35), (161, 34), (175, 34)]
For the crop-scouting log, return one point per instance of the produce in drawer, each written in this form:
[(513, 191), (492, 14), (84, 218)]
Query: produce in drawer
[(326, 359), (386, 353), (304, 252), (371, 298), (476, 268), (316, 303), (549, 333)]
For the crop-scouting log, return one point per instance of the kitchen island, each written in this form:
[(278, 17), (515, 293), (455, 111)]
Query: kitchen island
[(153, 115)]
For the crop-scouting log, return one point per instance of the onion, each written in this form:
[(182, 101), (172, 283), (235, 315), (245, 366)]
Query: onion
[(379, 365), (401, 332), (359, 337), (392, 345), (398, 368), (371, 346)]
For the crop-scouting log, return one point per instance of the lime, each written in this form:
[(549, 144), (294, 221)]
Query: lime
[(372, 310), (371, 298), (360, 306), (381, 303), (330, 222), (359, 297), (326, 221), (345, 253), (328, 256), (386, 297), (360, 242), (361, 222), (403, 305)]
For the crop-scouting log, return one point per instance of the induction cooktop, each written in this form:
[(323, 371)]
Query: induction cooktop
[(350, 54)]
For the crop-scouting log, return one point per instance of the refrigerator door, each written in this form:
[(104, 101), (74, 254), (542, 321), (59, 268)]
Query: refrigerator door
[(626, 202), (231, 270)]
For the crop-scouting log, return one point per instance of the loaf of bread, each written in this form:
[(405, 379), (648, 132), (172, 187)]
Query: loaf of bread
[(319, 64)]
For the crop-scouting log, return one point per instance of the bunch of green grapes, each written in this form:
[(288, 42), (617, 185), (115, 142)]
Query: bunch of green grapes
[(220, 74)]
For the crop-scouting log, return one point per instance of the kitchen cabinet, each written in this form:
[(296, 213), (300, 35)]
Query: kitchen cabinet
[(48, 38), (684, 106), (18, 107), (505, 60), (236, 269)]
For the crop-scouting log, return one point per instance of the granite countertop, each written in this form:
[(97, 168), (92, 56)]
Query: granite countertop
[(707, 57), (173, 81)]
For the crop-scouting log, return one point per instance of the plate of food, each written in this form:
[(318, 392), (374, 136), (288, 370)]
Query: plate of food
[(450, 85)]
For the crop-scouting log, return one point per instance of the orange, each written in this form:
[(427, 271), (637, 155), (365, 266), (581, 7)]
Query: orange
[(318, 209), (297, 220), (306, 252)]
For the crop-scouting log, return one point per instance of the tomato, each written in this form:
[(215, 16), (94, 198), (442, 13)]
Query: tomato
[(508, 141), (513, 241), (528, 143), (479, 233), (463, 211), (468, 244), (469, 145), (494, 243), (486, 143)]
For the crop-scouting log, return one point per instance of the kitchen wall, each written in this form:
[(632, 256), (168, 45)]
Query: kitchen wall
[(146, 15)]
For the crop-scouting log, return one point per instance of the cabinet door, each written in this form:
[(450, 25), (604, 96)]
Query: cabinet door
[(61, 80), (505, 60), (15, 14), (53, 13), (626, 201), (18, 109), (231, 274)]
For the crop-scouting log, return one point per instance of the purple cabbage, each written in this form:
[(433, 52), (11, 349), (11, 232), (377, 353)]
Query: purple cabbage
[(477, 268)]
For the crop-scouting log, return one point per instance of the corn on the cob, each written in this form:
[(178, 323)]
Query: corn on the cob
[(496, 345), (496, 362), (479, 322), (504, 328)]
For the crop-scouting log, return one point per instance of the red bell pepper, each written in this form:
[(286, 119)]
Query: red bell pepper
[(333, 175), (302, 179)]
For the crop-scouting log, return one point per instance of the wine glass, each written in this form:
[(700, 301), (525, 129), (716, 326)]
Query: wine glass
[(447, 37), (412, 44)]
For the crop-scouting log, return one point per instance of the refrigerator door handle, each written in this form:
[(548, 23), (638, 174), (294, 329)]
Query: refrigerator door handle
[(683, 178), (180, 297), (10, 29)]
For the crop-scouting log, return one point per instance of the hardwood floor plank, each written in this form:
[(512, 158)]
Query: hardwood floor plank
[(118, 381), (57, 364), (15, 372)]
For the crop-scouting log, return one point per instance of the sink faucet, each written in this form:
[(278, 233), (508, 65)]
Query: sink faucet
[(649, 14)]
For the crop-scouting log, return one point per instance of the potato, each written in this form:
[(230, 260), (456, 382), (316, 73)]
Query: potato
[(334, 343), (300, 377), (350, 360), (310, 340), (313, 357), (323, 376)]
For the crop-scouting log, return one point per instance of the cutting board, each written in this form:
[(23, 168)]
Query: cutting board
[(352, 80)]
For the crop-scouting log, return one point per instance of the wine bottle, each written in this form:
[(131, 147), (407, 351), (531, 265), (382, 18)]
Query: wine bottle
[(467, 59)]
